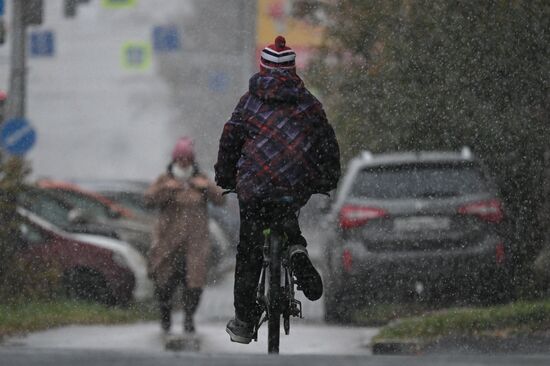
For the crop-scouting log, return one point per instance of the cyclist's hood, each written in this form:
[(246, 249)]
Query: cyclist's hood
[(277, 85)]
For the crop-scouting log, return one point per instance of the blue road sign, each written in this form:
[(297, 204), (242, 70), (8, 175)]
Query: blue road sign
[(17, 137), (166, 38), (2, 7), (42, 44)]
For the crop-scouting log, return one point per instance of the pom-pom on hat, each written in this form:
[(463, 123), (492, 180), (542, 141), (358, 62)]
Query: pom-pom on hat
[(183, 150), (278, 55)]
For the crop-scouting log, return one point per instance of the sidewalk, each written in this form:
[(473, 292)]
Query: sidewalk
[(308, 336)]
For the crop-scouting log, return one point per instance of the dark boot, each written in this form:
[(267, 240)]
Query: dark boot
[(191, 299), (165, 316)]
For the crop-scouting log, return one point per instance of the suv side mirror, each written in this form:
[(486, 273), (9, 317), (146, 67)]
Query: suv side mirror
[(325, 205), (22, 234), (79, 216), (28, 235)]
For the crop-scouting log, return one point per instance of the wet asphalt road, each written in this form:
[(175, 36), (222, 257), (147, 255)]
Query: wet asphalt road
[(311, 342), (30, 357)]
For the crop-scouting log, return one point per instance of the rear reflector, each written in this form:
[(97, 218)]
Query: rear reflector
[(490, 210), (500, 255), (347, 260), (353, 216)]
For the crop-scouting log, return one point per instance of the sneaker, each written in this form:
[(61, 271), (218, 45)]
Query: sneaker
[(166, 335), (165, 325), (307, 278), (239, 331)]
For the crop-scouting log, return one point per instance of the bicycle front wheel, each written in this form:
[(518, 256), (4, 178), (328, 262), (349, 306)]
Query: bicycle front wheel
[(274, 294)]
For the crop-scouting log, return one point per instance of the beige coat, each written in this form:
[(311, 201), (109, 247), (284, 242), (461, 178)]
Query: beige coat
[(181, 232)]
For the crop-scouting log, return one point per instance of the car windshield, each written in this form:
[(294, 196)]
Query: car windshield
[(133, 201), (88, 204), (418, 181), (47, 207)]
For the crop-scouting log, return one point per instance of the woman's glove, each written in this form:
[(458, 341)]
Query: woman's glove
[(200, 183)]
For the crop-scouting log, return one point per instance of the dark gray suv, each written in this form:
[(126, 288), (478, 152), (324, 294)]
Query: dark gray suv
[(423, 223)]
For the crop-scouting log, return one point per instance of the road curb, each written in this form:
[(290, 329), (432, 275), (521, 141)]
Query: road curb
[(469, 344), (182, 343), (396, 347)]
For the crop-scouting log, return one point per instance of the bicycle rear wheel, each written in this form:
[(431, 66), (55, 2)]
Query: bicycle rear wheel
[(274, 294)]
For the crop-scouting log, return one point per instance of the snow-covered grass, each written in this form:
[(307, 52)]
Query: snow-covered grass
[(383, 313), (33, 316), (514, 318)]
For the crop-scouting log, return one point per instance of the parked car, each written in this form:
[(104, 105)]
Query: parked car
[(426, 223), (79, 213), (223, 223), (59, 212), (96, 202), (99, 210), (129, 193), (92, 267)]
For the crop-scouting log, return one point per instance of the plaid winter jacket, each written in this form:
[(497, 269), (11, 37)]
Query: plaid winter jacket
[(278, 142)]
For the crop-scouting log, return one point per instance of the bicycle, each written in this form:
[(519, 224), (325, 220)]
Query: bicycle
[(275, 291)]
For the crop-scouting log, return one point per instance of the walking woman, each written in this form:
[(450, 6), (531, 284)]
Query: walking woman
[(181, 247)]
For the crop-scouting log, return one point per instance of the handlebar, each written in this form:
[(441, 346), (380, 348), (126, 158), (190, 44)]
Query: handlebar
[(226, 192)]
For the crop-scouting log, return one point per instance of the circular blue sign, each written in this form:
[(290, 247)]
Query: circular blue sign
[(17, 137)]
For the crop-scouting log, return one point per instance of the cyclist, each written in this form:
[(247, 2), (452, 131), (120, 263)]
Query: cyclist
[(277, 143)]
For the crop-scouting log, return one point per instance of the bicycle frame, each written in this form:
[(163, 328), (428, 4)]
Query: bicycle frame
[(273, 302), (275, 291)]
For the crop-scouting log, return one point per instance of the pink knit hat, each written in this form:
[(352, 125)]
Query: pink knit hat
[(183, 149)]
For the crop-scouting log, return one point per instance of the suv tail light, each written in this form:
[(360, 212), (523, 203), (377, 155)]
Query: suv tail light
[(354, 216), (490, 210)]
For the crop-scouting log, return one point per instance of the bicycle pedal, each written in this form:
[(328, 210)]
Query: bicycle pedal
[(296, 308), (255, 335)]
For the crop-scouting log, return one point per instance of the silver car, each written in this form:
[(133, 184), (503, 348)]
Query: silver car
[(409, 224)]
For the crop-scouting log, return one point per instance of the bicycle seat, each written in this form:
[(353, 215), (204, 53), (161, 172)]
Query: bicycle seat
[(285, 200), (279, 203)]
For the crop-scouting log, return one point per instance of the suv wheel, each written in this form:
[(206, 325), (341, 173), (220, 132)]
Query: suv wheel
[(88, 285), (498, 290), (338, 308)]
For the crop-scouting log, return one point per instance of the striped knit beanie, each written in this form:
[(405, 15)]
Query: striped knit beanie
[(278, 55)]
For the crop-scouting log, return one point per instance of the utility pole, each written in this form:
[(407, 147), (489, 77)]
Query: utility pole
[(18, 67), (248, 14)]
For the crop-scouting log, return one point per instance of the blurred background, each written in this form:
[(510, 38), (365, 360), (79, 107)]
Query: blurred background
[(101, 90)]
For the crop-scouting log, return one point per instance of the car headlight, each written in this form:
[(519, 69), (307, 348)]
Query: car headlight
[(120, 260)]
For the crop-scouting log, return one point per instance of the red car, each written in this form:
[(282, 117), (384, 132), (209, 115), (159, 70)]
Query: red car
[(90, 271), (98, 210), (102, 203)]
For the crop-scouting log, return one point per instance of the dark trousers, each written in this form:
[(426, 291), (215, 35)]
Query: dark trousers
[(164, 294), (254, 219)]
